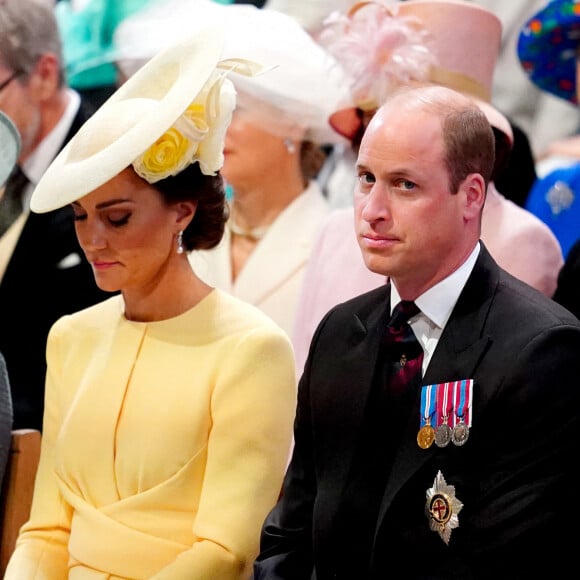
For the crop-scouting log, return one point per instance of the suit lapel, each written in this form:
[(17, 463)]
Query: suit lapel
[(83, 113), (459, 351), (352, 389)]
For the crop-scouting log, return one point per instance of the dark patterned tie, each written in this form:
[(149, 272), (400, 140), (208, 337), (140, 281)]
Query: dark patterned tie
[(403, 348), (11, 201)]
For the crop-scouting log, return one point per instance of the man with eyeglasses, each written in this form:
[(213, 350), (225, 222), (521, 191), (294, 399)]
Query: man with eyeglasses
[(43, 273)]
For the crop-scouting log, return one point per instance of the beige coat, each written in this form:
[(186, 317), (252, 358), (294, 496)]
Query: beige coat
[(272, 276)]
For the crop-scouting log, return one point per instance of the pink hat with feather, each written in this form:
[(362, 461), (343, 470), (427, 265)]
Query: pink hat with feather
[(382, 46)]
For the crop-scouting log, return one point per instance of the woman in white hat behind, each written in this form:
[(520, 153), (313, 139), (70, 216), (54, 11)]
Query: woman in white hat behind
[(169, 407), (273, 148), (273, 156)]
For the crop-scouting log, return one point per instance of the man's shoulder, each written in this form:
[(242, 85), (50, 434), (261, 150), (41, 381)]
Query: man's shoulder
[(363, 304), (526, 307)]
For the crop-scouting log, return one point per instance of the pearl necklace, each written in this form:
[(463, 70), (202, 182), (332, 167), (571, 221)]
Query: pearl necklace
[(252, 233)]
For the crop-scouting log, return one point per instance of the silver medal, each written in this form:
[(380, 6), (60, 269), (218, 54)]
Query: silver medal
[(443, 435), (460, 434)]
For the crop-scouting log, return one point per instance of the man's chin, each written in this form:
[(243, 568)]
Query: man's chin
[(378, 264)]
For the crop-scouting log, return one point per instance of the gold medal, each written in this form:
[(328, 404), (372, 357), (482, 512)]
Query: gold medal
[(426, 436)]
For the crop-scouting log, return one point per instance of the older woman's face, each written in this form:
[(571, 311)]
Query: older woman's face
[(249, 150), (127, 232)]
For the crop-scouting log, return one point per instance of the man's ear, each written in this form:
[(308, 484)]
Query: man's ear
[(474, 190), (44, 80)]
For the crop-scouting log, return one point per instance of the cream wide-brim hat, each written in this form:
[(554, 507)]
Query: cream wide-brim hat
[(130, 121)]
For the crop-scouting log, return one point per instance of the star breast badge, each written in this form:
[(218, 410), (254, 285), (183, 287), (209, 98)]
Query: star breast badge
[(442, 508)]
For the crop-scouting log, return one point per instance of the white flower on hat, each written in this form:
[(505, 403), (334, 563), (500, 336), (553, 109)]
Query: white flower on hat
[(197, 135)]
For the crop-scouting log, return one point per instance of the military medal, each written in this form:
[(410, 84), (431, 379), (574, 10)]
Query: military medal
[(460, 433), (463, 396), (442, 508), (426, 434), (444, 406)]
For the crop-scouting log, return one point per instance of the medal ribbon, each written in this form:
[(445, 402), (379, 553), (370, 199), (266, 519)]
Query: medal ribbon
[(463, 391), (444, 402), (427, 404)]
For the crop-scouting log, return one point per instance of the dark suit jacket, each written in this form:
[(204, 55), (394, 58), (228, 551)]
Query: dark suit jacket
[(34, 292), (568, 290), (515, 475)]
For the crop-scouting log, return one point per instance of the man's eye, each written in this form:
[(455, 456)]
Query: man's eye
[(406, 184), (77, 217), (366, 178)]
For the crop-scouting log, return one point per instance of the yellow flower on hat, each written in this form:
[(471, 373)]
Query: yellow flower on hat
[(197, 135), (167, 156)]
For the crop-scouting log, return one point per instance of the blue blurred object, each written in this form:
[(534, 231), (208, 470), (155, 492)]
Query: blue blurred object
[(554, 199)]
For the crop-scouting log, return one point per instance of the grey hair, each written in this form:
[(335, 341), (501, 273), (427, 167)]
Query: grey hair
[(28, 29)]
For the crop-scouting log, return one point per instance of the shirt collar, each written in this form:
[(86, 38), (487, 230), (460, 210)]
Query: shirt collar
[(438, 302)]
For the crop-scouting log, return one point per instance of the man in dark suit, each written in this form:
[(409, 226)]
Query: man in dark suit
[(470, 471), (43, 273)]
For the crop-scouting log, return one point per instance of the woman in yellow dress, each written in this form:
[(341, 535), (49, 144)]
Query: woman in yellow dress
[(169, 407)]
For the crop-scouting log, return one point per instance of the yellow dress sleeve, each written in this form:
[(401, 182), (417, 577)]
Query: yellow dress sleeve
[(41, 550)]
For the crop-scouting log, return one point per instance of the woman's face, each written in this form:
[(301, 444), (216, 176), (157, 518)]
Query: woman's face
[(249, 150), (128, 233)]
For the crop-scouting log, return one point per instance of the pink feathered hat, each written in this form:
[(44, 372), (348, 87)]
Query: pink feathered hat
[(383, 45)]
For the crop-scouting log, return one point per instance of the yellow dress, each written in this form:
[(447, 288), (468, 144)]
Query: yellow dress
[(164, 444)]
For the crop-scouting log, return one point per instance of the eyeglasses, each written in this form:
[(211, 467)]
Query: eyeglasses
[(12, 77)]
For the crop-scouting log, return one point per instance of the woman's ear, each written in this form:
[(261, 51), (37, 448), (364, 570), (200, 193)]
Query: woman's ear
[(185, 212)]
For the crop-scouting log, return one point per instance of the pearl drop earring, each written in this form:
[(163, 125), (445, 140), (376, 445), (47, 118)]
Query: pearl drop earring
[(290, 146)]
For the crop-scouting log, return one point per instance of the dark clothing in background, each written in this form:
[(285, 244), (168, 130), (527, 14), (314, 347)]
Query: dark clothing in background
[(40, 284)]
